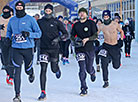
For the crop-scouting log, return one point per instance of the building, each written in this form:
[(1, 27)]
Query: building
[(128, 7)]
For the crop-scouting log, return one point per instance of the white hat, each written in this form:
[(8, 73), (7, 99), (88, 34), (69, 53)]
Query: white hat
[(126, 21)]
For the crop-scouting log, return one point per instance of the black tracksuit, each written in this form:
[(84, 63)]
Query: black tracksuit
[(49, 53), (128, 32), (85, 54)]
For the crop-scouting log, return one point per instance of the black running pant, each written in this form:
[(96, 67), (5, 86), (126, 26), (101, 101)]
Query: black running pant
[(113, 54), (47, 56), (20, 55), (65, 47), (128, 46)]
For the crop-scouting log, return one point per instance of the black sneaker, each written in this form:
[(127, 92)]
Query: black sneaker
[(17, 98), (3, 67), (106, 84), (93, 77), (31, 78), (98, 68), (83, 92), (42, 97), (58, 74)]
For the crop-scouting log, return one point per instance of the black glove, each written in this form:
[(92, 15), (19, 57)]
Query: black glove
[(97, 43), (56, 40), (25, 34), (120, 43), (2, 27), (78, 42), (7, 42)]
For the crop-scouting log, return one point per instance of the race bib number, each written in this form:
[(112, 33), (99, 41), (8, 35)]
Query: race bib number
[(80, 57), (103, 53), (19, 38), (127, 33), (43, 58)]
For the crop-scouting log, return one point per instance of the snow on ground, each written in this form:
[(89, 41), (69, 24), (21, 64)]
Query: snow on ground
[(123, 84)]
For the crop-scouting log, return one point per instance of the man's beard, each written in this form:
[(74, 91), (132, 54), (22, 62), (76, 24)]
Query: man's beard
[(83, 18)]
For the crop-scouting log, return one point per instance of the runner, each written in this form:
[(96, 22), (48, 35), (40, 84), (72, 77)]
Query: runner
[(111, 45), (24, 29), (98, 43), (83, 34), (66, 42), (128, 38), (6, 47), (49, 45)]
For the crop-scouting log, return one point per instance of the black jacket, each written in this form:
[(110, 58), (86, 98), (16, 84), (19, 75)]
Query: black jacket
[(128, 32), (50, 30)]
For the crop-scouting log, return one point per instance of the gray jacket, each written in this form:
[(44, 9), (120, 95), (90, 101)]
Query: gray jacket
[(68, 28)]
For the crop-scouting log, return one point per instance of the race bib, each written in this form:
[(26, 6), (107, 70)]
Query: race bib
[(19, 38), (103, 53), (80, 57), (43, 58)]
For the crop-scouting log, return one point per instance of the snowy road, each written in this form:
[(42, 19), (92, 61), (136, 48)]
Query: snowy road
[(123, 84)]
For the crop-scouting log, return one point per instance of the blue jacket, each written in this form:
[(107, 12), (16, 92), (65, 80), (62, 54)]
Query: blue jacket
[(17, 25)]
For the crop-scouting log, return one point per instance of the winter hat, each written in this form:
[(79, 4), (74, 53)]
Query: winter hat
[(65, 18), (83, 10), (20, 3), (60, 17), (126, 21), (106, 13), (117, 16), (6, 7), (94, 17), (48, 6)]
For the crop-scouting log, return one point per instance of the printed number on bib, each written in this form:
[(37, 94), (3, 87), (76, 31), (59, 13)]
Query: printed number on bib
[(19, 38), (103, 53), (43, 58), (80, 57)]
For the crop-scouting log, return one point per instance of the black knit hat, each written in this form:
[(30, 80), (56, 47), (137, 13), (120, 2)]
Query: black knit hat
[(106, 13), (48, 6), (117, 16), (6, 7), (83, 10), (20, 3)]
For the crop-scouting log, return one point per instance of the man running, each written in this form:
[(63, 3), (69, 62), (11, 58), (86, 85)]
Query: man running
[(111, 45), (49, 45), (6, 49), (83, 34), (23, 28)]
